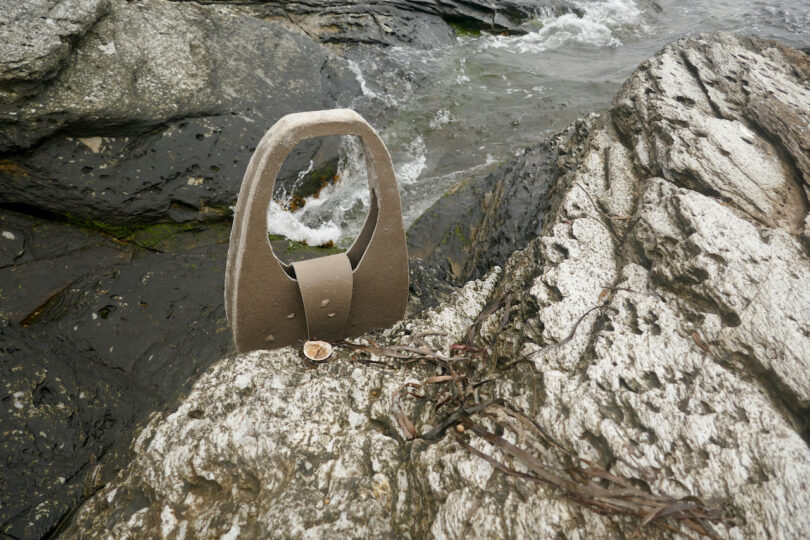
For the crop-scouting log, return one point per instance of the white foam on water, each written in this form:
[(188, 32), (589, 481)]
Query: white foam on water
[(413, 162), (302, 174), (441, 118), (599, 26), (354, 67), (291, 225), (366, 90), (337, 213)]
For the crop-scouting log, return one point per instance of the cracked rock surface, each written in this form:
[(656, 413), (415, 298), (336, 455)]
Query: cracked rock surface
[(658, 326), (60, 412)]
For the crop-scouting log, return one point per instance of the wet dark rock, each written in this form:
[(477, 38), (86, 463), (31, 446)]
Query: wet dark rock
[(429, 284), (107, 331), (144, 319), (373, 23), (442, 233), (40, 258), (422, 23), (61, 409), (480, 222), (513, 212), (154, 114)]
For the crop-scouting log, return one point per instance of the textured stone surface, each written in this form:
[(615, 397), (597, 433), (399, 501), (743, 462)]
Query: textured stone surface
[(330, 465), (726, 118), (422, 23), (61, 411), (94, 334), (696, 368), (36, 37), (154, 114), (656, 326), (745, 283)]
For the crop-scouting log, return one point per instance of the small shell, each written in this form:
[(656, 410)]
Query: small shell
[(317, 350)]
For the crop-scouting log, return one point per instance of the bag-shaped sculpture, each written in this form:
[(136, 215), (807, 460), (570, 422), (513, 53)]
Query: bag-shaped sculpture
[(271, 304)]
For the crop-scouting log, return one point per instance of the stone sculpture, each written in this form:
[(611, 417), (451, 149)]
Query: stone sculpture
[(270, 304)]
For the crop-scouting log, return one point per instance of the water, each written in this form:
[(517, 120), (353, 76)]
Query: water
[(463, 109)]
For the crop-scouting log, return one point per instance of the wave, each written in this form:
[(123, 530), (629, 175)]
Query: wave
[(337, 213), (412, 163), (599, 23), (288, 224)]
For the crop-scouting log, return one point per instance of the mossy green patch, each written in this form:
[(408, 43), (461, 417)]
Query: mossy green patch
[(464, 28), (167, 237), (116, 230), (155, 236), (174, 237), (290, 251), (459, 234)]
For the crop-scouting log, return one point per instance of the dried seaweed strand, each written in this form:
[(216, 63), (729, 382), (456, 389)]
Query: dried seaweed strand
[(620, 496), (582, 482)]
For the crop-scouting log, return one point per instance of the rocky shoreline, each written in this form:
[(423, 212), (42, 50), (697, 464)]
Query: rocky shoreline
[(662, 325), (650, 317), (125, 129)]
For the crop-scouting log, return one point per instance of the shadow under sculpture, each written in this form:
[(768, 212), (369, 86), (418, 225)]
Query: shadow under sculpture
[(271, 304)]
